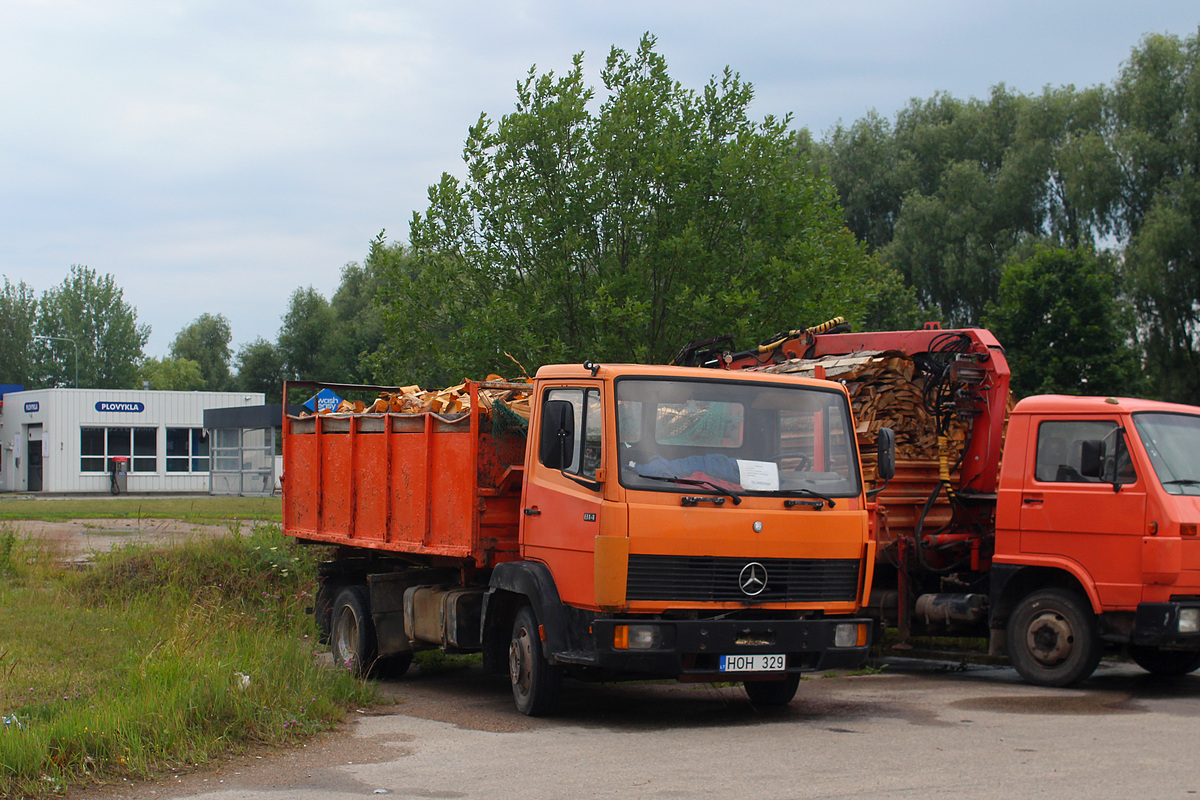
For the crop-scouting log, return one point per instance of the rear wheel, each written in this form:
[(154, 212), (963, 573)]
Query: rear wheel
[(352, 633), (1052, 638), (1167, 663), (772, 694), (535, 681)]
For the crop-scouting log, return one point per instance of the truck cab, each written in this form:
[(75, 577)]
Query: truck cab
[(1098, 508), (694, 525)]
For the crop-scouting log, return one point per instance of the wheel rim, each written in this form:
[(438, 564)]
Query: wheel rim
[(347, 637), (1050, 638), (520, 656)]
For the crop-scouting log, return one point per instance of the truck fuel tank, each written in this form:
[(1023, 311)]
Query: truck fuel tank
[(951, 610), (445, 616)]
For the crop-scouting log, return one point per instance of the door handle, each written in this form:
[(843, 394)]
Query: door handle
[(1032, 500), (532, 512)]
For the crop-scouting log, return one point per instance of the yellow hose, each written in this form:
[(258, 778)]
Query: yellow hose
[(944, 464), (824, 326)]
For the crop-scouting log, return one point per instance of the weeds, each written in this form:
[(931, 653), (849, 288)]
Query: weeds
[(156, 659), (8, 539)]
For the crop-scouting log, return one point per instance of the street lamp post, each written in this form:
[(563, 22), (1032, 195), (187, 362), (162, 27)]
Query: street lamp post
[(73, 342)]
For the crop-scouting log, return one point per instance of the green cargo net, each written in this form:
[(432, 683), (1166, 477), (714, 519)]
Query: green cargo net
[(509, 431)]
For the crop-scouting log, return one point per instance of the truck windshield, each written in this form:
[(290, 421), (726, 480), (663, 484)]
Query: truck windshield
[(740, 438), (1173, 443)]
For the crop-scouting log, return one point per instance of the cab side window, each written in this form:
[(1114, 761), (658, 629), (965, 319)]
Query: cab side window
[(1060, 447), (585, 453)]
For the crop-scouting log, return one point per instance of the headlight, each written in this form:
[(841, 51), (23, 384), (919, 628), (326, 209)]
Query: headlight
[(1189, 620), (848, 634), (638, 637)]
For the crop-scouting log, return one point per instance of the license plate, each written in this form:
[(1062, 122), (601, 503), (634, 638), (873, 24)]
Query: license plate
[(755, 663)]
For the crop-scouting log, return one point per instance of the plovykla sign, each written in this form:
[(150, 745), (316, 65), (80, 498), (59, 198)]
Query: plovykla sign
[(120, 407)]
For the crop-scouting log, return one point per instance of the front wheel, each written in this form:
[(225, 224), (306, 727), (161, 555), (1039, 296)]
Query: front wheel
[(1167, 663), (772, 694), (535, 681), (1052, 638)]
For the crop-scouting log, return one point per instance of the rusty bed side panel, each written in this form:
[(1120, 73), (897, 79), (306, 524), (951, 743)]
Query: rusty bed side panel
[(420, 484)]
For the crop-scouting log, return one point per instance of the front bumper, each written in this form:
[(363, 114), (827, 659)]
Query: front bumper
[(691, 649), (1173, 624)]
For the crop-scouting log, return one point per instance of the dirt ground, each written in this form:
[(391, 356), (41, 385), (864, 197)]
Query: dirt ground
[(77, 539)]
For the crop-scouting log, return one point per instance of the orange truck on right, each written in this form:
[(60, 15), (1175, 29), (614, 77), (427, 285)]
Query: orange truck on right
[(1061, 527)]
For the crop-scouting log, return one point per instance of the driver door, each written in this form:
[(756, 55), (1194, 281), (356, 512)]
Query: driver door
[(562, 506)]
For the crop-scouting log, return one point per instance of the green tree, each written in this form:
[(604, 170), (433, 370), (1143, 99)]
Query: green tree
[(949, 191), (260, 369), (358, 324), (90, 311), (304, 339), (1064, 327), (664, 216), (206, 342), (18, 312), (872, 173), (1156, 105), (992, 176), (172, 374)]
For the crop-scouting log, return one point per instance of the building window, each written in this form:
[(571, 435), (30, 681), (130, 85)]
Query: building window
[(98, 446), (187, 450), (91, 449)]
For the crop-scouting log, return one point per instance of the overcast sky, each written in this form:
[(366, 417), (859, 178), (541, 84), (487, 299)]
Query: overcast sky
[(215, 155)]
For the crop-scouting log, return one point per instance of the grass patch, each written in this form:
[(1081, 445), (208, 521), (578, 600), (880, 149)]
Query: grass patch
[(436, 662), (156, 659), (201, 509)]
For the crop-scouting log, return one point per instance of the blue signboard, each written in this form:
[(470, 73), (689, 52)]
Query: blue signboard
[(31, 407), (120, 407), (322, 401)]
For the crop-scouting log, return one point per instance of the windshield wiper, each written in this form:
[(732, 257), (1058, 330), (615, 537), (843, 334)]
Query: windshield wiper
[(694, 482), (1183, 482), (809, 493)]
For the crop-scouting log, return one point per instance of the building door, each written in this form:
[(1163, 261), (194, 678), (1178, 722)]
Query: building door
[(33, 459)]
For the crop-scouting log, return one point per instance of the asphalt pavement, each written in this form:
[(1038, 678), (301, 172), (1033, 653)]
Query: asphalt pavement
[(917, 729)]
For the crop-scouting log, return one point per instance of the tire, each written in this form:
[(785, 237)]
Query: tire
[(772, 694), (1166, 663), (352, 633), (536, 683), (1052, 638)]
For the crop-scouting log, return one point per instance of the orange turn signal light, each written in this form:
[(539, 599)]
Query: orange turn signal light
[(621, 637)]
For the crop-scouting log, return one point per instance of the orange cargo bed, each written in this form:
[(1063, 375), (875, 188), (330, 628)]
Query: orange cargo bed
[(433, 486)]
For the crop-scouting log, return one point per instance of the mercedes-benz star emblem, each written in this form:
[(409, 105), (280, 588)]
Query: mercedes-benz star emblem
[(753, 579)]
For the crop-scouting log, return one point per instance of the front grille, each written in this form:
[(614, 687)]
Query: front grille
[(711, 579)]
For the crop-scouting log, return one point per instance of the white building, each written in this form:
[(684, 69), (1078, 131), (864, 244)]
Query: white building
[(68, 440)]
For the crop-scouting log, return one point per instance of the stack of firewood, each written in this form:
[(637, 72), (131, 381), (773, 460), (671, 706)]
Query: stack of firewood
[(452, 400), (885, 391)]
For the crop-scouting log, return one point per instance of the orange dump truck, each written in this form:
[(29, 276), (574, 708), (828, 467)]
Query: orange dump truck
[(644, 522), (1060, 528)]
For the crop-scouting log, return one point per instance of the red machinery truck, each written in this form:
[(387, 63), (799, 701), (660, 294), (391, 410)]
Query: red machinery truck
[(651, 522), (1084, 536)]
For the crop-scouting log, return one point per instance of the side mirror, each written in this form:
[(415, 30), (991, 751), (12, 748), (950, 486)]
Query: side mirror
[(1091, 458), (886, 445), (557, 442)]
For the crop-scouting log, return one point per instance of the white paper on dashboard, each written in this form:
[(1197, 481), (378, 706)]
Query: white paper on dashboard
[(759, 476)]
